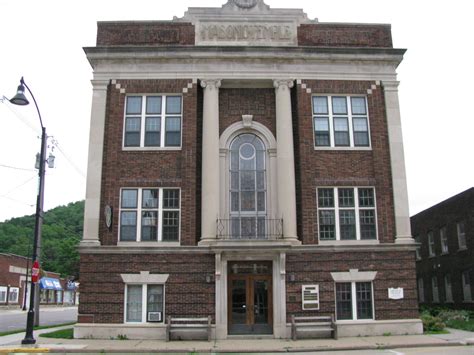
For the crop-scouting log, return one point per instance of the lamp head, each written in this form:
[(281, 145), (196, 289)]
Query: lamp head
[(20, 98)]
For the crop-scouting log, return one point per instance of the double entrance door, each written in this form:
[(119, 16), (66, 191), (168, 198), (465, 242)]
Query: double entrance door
[(250, 298)]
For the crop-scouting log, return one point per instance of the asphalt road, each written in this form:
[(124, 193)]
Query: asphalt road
[(438, 350), (16, 319)]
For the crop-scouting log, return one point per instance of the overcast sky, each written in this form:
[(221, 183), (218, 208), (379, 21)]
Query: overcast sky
[(43, 41)]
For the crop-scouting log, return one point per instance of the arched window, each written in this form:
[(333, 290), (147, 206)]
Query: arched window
[(248, 190)]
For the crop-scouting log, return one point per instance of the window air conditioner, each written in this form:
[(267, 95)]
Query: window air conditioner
[(154, 316)]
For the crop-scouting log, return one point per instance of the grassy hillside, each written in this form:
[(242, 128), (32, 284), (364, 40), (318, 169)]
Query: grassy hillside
[(61, 233)]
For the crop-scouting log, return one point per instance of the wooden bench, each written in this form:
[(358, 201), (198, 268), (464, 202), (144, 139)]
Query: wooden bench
[(183, 325), (313, 325)]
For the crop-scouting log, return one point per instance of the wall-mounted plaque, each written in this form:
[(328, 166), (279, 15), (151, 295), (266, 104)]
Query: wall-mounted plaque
[(395, 293)]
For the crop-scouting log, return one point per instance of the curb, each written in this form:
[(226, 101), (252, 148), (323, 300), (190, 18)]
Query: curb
[(213, 349)]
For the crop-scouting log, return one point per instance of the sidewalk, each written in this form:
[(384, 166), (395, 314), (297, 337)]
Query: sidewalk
[(12, 344)]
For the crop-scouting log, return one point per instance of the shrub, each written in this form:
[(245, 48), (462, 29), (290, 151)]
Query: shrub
[(431, 323), (453, 315)]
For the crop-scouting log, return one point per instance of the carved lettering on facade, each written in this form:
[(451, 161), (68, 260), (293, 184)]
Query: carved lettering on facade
[(277, 34)]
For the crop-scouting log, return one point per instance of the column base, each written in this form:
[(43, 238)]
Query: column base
[(404, 239)]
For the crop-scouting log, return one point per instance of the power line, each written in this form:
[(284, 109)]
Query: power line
[(18, 201), (14, 167), (17, 187), (78, 170)]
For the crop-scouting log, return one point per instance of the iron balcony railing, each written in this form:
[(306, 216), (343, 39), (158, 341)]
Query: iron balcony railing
[(249, 228)]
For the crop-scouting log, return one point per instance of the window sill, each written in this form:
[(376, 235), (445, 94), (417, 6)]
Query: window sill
[(344, 148), (355, 321), (471, 301), (148, 244), (462, 249), (446, 253), (145, 149), (349, 242)]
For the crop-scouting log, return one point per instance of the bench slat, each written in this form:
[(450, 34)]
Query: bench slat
[(188, 320), (311, 318)]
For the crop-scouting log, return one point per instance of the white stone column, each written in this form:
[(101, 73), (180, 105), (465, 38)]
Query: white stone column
[(397, 160), (285, 158), (210, 159), (94, 166)]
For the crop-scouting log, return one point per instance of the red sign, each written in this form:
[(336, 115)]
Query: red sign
[(35, 272)]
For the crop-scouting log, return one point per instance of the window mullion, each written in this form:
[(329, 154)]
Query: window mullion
[(350, 125), (142, 122), (160, 214), (144, 302), (332, 143), (356, 214), (139, 215), (163, 121), (354, 301), (336, 213)]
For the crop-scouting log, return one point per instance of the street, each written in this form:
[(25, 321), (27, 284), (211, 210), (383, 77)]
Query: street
[(16, 319)]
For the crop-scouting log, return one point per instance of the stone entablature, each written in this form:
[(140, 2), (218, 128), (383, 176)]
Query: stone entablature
[(248, 23)]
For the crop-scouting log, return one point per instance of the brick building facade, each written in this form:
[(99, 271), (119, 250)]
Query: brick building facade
[(238, 157), (445, 253)]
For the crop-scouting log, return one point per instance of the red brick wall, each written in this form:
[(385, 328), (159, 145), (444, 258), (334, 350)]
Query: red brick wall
[(233, 103), (341, 35), (150, 168), (9, 278), (394, 269), (144, 33), (317, 168), (459, 208), (186, 291)]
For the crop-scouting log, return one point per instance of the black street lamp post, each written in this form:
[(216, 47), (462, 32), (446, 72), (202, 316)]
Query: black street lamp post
[(20, 99)]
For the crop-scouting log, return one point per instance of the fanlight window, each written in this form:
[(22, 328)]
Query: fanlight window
[(248, 208)]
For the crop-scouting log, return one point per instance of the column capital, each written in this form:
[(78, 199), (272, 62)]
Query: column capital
[(390, 85), (100, 84), (283, 83), (211, 84)]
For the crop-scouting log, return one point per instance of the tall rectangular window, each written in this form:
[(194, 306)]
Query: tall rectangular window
[(448, 288), (461, 235), (354, 301), (421, 290), (418, 248), (434, 289), (153, 121), (347, 213), (144, 303), (466, 286), (149, 214), (431, 244), (340, 121), (443, 236)]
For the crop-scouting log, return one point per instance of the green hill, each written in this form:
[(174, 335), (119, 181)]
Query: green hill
[(61, 233)]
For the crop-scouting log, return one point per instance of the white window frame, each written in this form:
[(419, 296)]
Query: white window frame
[(310, 297), (448, 288), (13, 291), (435, 289), (466, 286), (461, 235), (443, 237), (162, 116), (354, 300), (144, 302), (159, 211), (349, 116), (418, 248), (3, 294), (421, 290), (431, 244), (357, 209)]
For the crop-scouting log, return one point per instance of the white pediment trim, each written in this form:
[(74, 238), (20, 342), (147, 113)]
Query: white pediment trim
[(354, 275), (144, 277)]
